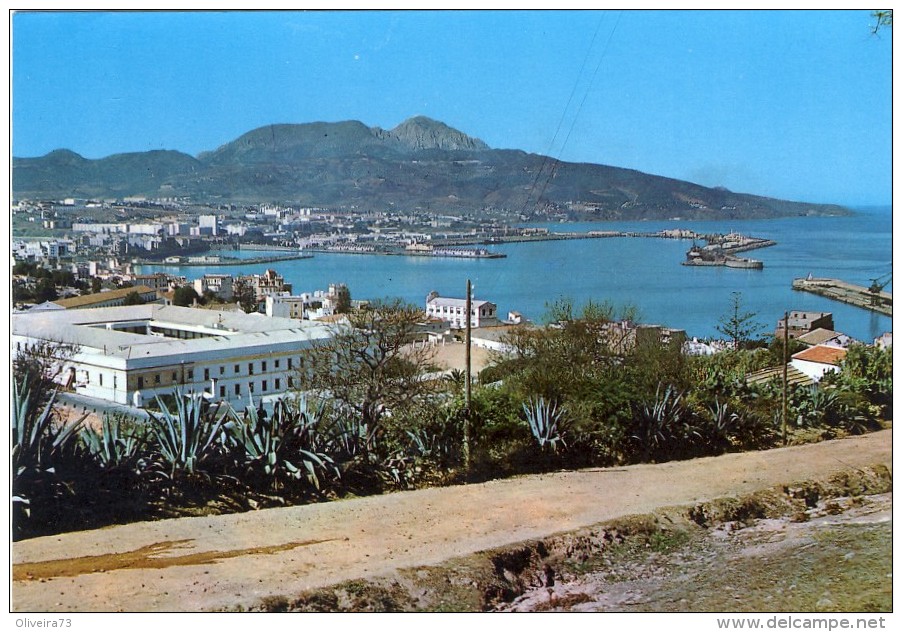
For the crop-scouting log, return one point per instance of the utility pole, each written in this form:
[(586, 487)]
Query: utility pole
[(467, 384), (785, 368)]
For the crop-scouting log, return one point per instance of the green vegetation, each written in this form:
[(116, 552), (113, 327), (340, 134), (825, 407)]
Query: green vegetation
[(371, 415)]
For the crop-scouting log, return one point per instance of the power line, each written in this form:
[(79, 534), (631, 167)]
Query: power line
[(554, 166), (560, 124)]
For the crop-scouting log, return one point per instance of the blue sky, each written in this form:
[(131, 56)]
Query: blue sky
[(789, 104)]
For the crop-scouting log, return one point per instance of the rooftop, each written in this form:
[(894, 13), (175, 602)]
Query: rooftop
[(456, 302), (101, 297), (821, 354), (88, 329)]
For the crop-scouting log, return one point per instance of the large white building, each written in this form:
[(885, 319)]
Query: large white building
[(454, 311), (128, 355)]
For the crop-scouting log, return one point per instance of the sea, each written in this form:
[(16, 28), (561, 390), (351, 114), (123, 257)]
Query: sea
[(644, 273)]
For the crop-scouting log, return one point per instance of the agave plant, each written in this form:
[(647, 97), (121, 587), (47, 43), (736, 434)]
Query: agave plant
[(663, 428), (283, 446), (347, 436), (38, 444), (116, 444), (545, 423), (723, 424), (184, 440)]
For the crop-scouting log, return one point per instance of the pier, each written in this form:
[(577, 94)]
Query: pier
[(215, 260), (858, 295)]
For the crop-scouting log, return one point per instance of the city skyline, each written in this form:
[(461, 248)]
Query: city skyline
[(789, 104)]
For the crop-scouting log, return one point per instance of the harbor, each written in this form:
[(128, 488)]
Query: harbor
[(872, 298)]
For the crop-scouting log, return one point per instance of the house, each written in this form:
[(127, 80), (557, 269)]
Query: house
[(819, 360), (158, 281), (821, 336), (219, 284), (270, 283), (453, 310), (800, 323)]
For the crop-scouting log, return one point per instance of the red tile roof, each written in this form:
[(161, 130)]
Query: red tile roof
[(821, 354)]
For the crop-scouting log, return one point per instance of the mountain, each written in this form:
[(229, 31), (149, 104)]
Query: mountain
[(421, 164)]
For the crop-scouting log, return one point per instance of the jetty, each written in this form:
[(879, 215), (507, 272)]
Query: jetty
[(720, 250), (838, 290), (217, 260)]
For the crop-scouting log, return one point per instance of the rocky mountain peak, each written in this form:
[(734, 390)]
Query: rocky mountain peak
[(422, 132)]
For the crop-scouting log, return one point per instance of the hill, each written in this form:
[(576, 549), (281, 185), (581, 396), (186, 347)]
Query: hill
[(420, 165)]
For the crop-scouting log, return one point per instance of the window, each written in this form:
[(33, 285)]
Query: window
[(278, 384), (277, 364), (290, 382), (250, 386), (156, 378), (250, 368), (263, 368), (237, 369), (289, 363), (222, 370), (174, 377), (100, 375), (140, 382), (206, 374), (190, 374), (222, 391), (264, 386), (238, 389)]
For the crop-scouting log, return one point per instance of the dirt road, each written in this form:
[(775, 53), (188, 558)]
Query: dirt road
[(209, 563)]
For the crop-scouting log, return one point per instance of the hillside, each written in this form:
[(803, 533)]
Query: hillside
[(420, 165)]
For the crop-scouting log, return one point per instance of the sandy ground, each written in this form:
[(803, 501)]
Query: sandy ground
[(452, 355), (218, 562)]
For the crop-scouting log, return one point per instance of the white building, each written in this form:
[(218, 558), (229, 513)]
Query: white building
[(315, 306), (222, 285), (285, 305), (453, 310), (208, 224), (128, 355), (817, 361)]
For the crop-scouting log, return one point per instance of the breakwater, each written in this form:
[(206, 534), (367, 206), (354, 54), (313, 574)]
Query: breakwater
[(216, 260), (849, 293)]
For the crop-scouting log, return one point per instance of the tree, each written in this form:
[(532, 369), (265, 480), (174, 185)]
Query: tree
[(244, 295), (38, 367), (371, 365), (184, 296), (343, 304), (96, 284), (45, 290), (739, 326), (133, 298), (883, 19)]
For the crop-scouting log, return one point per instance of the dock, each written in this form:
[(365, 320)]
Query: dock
[(838, 290)]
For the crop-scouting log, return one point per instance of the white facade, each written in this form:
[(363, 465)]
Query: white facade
[(128, 355), (454, 310), (819, 360), (220, 284), (208, 224)]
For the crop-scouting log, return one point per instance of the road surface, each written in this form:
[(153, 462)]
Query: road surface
[(219, 562)]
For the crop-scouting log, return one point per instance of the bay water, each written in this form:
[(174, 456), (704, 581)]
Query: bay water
[(643, 272)]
